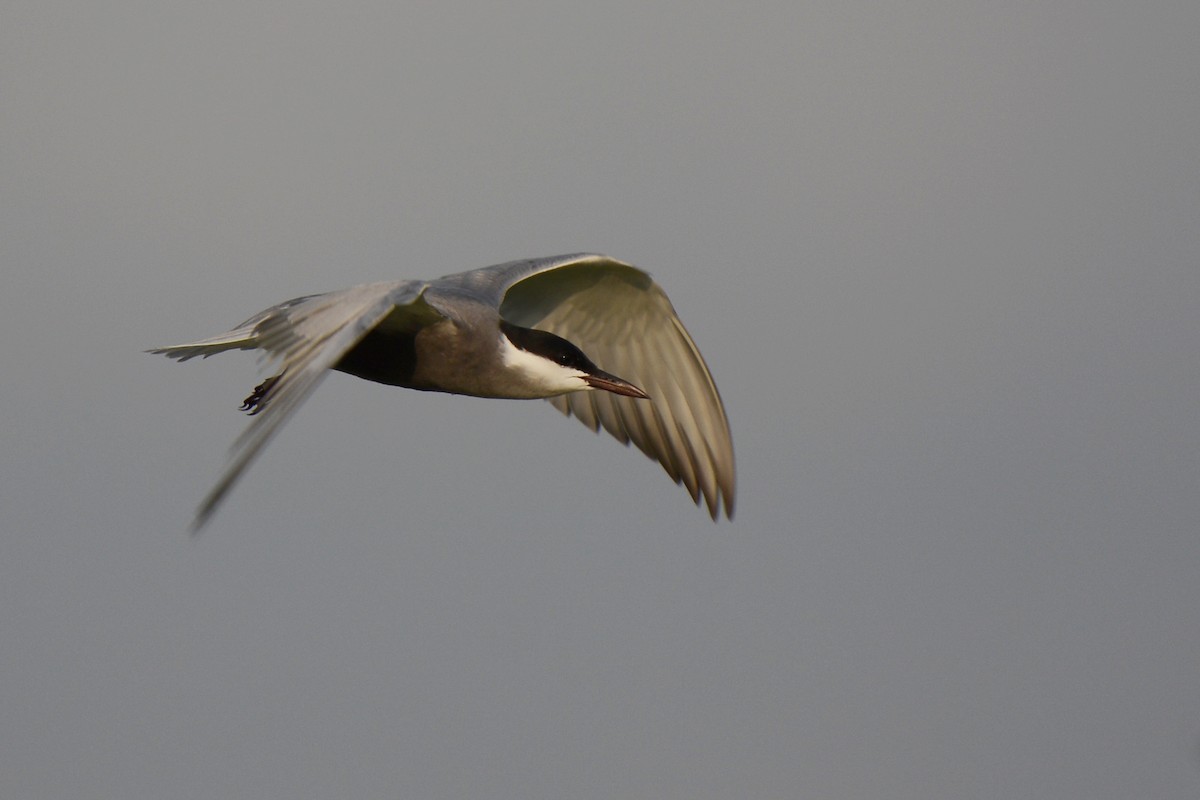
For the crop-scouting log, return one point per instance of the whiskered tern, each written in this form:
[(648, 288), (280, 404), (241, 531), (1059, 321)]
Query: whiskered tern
[(535, 328)]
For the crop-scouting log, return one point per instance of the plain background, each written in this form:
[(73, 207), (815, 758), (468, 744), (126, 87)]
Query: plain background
[(944, 261)]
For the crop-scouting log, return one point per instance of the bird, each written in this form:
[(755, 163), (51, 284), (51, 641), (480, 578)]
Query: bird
[(533, 328)]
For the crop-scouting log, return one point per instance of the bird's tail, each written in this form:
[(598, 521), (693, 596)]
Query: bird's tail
[(253, 334), (244, 337)]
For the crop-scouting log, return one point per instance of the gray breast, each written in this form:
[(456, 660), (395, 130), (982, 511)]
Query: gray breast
[(457, 353)]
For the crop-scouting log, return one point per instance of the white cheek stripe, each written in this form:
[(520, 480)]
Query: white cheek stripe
[(541, 372)]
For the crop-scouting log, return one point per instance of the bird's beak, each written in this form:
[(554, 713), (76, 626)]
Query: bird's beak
[(611, 383)]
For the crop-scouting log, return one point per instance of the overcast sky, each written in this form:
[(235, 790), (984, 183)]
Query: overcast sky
[(942, 257)]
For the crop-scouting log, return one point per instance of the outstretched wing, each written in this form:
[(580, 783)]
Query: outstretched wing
[(305, 337), (623, 321)]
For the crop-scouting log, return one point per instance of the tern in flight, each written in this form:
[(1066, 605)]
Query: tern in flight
[(536, 328)]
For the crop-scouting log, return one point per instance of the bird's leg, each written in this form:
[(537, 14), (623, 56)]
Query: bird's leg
[(257, 399)]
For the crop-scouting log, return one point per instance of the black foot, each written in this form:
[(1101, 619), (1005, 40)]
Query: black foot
[(256, 402)]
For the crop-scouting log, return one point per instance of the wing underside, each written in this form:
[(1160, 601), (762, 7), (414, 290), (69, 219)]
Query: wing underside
[(624, 322)]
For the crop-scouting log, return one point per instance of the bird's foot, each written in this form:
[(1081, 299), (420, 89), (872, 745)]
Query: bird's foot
[(256, 402)]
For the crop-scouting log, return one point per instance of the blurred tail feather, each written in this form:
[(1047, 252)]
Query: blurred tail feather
[(243, 338)]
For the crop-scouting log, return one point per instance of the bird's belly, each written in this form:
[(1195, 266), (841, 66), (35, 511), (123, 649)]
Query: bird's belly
[(384, 357), (432, 359)]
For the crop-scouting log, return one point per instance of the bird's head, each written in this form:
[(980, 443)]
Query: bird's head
[(547, 365)]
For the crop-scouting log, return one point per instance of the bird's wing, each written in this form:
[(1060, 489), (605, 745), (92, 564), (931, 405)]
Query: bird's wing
[(305, 337), (624, 323)]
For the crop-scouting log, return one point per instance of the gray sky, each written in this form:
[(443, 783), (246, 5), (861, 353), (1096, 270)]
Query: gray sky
[(943, 261)]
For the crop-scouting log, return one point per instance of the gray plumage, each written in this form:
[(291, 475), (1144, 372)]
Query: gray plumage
[(456, 334)]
